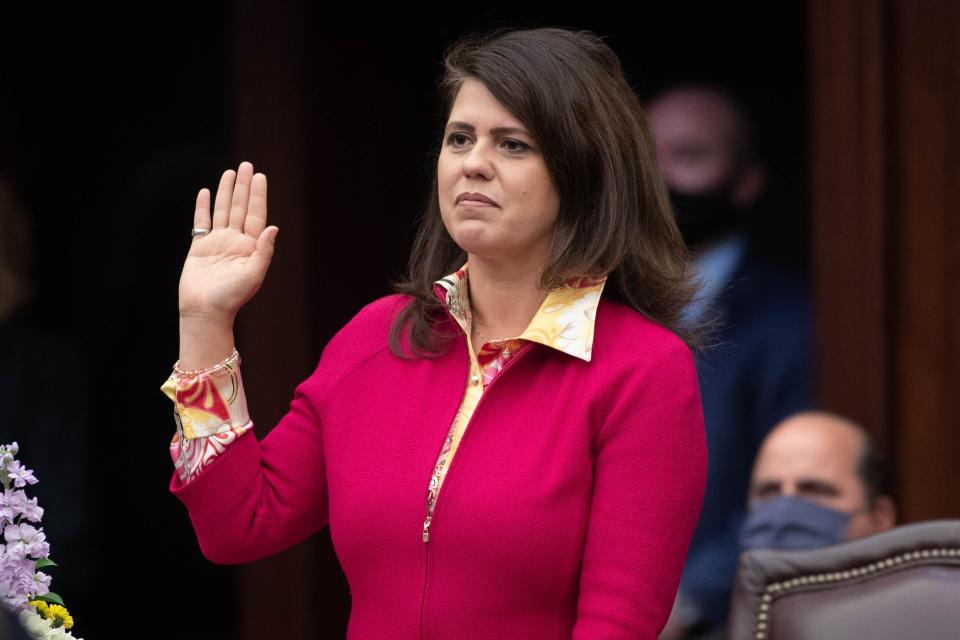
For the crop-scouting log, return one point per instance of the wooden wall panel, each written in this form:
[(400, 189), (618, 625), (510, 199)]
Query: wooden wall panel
[(885, 109), (926, 144), (850, 209), (278, 595)]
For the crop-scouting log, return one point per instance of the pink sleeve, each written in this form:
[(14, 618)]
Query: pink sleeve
[(261, 497), (649, 479)]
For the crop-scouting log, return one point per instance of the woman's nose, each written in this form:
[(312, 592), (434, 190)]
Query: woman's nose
[(476, 163)]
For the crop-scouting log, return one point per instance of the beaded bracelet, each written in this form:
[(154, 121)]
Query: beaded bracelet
[(220, 366)]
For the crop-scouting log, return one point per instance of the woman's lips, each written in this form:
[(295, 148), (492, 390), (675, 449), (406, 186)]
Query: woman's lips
[(475, 200)]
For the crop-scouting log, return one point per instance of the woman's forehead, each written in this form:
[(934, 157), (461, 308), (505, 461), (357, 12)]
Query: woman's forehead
[(476, 107)]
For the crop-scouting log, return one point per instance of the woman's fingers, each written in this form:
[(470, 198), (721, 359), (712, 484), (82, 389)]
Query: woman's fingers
[(221, 206), (257, 213), (201, 215), (266, 242), (241, 195)]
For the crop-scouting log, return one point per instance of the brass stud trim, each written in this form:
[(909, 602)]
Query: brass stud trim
[(779, 589)]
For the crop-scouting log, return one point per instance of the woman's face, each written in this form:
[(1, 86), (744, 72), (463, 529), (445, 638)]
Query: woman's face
[(497, 198)]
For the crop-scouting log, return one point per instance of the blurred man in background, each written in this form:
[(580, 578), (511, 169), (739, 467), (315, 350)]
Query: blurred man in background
[(757, 368), (818, 480)]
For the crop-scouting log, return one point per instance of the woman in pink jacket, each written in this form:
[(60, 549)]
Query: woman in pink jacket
[(512, 445)]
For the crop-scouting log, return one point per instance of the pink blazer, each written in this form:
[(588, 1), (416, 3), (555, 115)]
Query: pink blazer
[(566, 512)]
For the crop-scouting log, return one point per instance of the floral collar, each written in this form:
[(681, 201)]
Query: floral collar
[(564, 321)]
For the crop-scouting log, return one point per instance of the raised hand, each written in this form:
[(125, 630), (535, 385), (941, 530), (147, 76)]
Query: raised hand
[(225, 268)]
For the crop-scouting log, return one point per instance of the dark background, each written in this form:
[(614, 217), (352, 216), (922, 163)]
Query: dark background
[(111, 120)]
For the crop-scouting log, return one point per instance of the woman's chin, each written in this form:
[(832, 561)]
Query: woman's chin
[(475, 242)]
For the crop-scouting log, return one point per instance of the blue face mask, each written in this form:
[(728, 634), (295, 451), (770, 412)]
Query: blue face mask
[(786, 522)]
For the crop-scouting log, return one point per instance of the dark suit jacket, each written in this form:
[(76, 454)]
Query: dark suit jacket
[(757, 370)]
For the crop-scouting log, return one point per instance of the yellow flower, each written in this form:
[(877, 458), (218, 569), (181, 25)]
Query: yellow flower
[(59, 615), (41, 607)]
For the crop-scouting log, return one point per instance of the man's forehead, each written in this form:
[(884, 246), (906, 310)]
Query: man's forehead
[(693, 112), (811, 449)]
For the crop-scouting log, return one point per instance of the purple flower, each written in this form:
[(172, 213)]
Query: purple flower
[(7, 452), (11, 598), (32, 511), (20, 474), (14, 503), (26, 540), (9, 508), (18, 578), (41, 584)]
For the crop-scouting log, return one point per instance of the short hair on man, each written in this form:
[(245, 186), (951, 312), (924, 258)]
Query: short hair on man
[(873, 471)]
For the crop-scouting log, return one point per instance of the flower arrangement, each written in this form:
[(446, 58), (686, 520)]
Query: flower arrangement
[(23, 588)]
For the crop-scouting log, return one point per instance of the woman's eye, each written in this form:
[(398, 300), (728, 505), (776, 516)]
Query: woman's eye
[(457, 139), (515, 145)]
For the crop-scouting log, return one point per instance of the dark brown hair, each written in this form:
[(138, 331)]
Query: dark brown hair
[(872, 471), (568, 89)]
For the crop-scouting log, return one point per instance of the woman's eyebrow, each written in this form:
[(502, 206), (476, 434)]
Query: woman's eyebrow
[(497, 131)]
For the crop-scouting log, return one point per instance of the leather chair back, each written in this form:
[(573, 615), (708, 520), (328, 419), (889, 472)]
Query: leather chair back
[(899, 584)]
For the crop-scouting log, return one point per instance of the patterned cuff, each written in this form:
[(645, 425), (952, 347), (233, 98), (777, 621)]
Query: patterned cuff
[(210, 411)]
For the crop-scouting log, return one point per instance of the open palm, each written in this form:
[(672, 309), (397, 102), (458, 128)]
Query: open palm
[(226, 267)]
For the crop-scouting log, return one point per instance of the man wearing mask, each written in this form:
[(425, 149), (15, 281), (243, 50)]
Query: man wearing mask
[(756, 369), (817, 481)]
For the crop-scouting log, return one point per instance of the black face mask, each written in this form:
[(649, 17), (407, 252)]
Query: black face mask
[(706, 215)]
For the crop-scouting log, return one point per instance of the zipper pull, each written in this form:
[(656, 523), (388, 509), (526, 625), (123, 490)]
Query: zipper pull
[(426, 529)]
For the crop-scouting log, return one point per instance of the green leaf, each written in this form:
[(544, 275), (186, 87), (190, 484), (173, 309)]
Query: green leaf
[(50, 597), (45, 562)]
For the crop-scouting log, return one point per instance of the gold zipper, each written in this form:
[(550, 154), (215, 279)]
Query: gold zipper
[(509, 363)]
